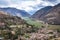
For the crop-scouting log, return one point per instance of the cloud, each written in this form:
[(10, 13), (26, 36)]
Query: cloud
[(18, 14), (50, 0), (28, 5)]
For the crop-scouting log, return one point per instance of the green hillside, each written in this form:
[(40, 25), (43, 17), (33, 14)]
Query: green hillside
[(32, 22)]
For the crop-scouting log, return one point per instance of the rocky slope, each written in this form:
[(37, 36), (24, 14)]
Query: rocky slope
[(53, 16), (40, 13), (7, 19), (50, 15)]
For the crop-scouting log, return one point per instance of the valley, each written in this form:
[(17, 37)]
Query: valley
[(43, 25)]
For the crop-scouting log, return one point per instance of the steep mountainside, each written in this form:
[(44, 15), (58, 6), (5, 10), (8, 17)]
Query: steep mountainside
[(42, 12), (16, 12), (53, 16), (49, 14), (6, 19)]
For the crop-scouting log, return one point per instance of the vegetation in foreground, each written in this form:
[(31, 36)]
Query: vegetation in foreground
[(31, 30)]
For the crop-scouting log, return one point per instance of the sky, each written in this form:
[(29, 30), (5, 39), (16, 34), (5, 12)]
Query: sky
[(31, 6)]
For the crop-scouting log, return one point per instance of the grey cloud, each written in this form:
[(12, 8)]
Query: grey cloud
[(50, 0)]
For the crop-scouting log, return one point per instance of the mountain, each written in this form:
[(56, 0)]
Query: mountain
[(49, 14), (53, 16), (7, 19), (15, 12), (42, 12)]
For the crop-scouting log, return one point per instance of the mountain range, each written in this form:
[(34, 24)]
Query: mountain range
[(15, 12), (48, 14), (40, 13)]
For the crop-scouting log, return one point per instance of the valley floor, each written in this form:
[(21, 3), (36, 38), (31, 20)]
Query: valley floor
[(31, 31)]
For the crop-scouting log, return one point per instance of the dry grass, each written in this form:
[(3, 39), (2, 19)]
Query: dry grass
[(56, 38), (54, 27)]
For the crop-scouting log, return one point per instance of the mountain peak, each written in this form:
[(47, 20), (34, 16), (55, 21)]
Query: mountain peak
[(41, 12), (57, 5), (49, 14)]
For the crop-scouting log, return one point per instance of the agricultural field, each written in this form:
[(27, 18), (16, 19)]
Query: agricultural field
[(54, 27), (39, 24), (33, 22), (56, 38)]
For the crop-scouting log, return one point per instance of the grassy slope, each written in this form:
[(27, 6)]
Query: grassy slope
[(56, 38), (54, 27), (38, 24), (31, 22)]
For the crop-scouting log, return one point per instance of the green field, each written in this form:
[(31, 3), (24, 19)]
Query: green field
[(38, 24), (32, 22)]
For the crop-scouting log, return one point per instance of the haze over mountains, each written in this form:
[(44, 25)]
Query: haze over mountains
[(48, 14), (15, 12)]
